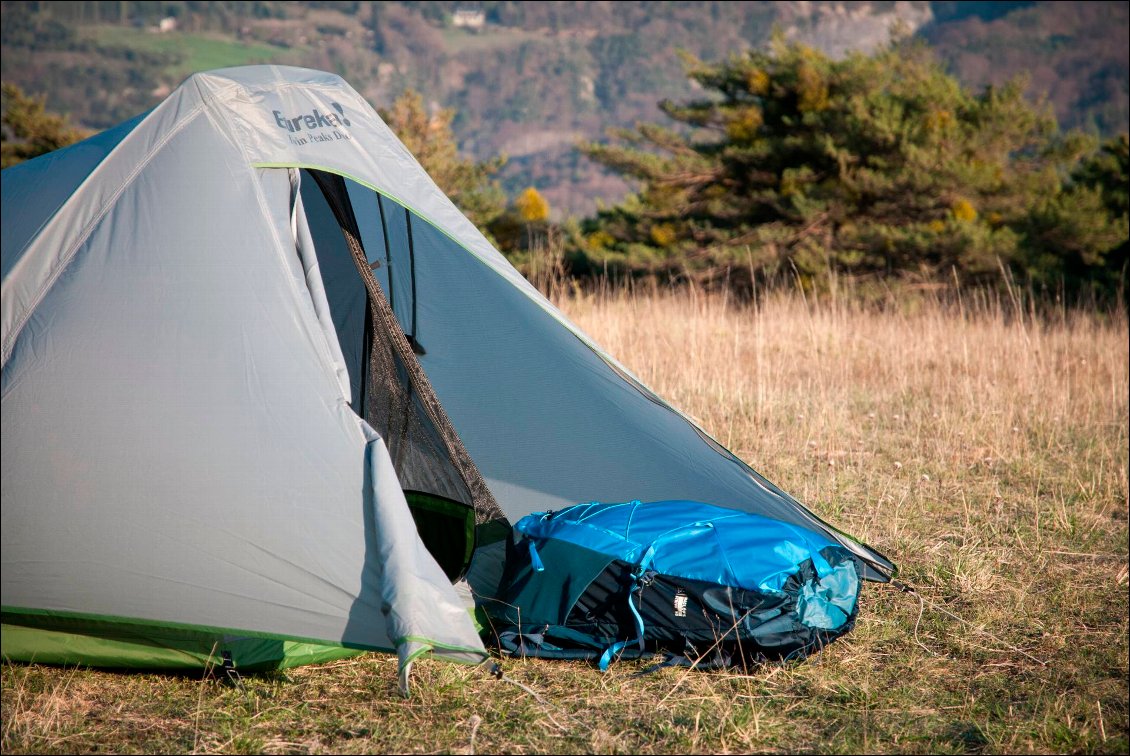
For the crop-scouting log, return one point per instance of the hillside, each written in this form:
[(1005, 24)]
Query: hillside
[(1074, 53), (534, 78)]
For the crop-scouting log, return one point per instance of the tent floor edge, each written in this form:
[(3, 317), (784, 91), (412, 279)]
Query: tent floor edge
[(112, 646)]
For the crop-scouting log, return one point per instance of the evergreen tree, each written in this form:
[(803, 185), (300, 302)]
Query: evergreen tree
[(870, 165), (1077, 239)]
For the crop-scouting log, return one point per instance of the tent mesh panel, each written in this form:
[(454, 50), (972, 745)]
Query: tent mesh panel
[(398, 401)]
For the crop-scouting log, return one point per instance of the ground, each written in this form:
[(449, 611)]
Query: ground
[(982, 448)]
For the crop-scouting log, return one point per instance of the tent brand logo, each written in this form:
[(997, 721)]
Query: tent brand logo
[(313, 120), (680, 603)]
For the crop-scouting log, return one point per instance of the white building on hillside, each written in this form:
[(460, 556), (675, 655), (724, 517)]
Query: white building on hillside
[(469, 18)]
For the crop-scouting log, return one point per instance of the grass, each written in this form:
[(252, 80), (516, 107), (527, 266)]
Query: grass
[(460, 41), (984, 453), (191, 52)]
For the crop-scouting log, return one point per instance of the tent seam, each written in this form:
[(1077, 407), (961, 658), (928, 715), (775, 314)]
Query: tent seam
[(47, 221), (209, 102), (65, 260)]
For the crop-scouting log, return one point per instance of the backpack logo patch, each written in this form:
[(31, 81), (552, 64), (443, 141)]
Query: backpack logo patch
[(680, 603)]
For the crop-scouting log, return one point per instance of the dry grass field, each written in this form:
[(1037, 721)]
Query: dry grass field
[(985, 453)]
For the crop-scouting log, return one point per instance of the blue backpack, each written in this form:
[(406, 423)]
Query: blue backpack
[(692, 580)]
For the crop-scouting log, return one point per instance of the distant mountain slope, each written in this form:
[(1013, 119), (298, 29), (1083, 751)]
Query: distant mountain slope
[(529, 79), (1077, 53)]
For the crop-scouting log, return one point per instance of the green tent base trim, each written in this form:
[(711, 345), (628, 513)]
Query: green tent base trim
[(159, 650), (69, 638), (430, 647)]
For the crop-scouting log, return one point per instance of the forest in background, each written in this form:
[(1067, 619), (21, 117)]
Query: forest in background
[(535, 78), (919, 161)]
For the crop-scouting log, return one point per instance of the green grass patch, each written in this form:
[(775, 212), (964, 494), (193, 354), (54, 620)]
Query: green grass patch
[(496, 38), (190, 53)]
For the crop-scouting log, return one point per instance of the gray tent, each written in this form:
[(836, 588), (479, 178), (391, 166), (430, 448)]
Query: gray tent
[(266, 393)]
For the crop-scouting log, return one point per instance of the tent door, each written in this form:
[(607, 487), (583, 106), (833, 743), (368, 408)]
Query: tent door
[(445, 491)]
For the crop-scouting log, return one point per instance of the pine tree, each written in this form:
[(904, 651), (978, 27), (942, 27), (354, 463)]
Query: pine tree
[(871, 165), (1077, 239)]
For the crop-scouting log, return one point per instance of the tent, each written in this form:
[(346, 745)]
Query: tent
[(267, 394)]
